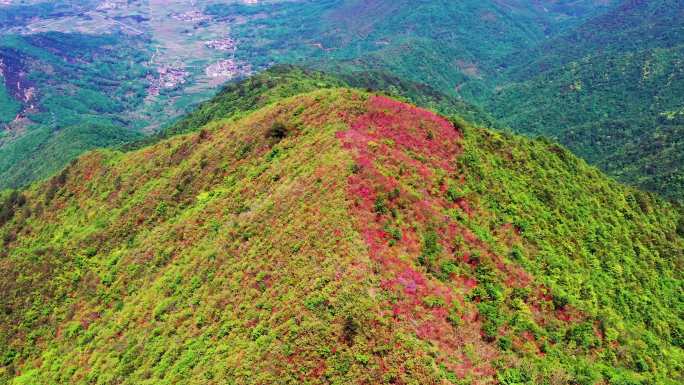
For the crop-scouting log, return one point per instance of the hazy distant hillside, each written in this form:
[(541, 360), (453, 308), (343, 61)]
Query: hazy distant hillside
[(633, 26), (611, 91), (440, 43), (64, 94)]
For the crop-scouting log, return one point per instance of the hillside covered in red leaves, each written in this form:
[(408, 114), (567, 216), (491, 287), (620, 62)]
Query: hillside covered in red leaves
[(339, 237)]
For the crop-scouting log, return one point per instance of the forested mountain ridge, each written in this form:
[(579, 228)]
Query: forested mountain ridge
[(339, 236), (625, 121), (632, 26), (281, 81), (611, 91)]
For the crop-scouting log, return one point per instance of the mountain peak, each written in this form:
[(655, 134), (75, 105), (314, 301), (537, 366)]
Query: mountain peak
[(336, 236)]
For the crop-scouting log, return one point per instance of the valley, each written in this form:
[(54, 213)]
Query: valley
[(188, 56)]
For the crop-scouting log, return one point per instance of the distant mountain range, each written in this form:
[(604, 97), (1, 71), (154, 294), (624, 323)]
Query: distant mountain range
[(87, 74)]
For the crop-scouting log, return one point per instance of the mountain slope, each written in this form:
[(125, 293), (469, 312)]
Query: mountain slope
[(611, 91), (632, 26), (65, 94), (339, 237)]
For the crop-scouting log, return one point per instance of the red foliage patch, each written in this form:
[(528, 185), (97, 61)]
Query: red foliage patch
[(396, 145), (397, 194)]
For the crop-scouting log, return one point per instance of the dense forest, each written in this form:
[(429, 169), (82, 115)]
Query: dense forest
[(338, 236), (611, 91)]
